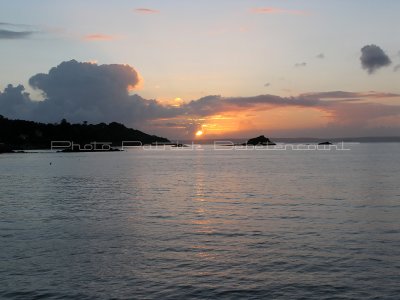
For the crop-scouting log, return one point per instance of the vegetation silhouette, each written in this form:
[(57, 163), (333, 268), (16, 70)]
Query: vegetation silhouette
[(20, 134)]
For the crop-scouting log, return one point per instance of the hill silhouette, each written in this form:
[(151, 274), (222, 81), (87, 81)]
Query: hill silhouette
[(20, 134)]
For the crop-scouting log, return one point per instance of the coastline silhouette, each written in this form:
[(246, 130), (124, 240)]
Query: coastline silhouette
[(25, 135)]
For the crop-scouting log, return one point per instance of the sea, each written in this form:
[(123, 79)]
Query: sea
[(201, 223)]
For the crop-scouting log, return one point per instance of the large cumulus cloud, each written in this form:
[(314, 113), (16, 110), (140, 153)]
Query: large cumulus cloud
[(80, 91), (85, 81), (373, 57)]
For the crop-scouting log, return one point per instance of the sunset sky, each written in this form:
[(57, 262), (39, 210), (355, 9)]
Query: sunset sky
[(231, 68)]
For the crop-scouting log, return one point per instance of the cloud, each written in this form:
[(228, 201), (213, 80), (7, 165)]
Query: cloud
[(13, 35), (373, 58), (13, 24), (320, 56), (360, 115), (94, 92), (98, 37), (349, 95), (300, 65), (11, 31), (84, 92), (81, 91), (275, 10), (345, 115), (15, 103), (397, 67), (146, 11), (210, 105), (99, 93)]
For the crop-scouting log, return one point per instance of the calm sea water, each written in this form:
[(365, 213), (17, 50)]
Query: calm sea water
[(201, 224)]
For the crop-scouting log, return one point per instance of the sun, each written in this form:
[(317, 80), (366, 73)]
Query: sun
[(199, 133)]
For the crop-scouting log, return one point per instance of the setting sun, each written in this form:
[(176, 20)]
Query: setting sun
[(199, 133)]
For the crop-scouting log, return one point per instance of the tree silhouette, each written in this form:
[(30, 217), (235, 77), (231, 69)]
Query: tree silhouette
[(19, 134)]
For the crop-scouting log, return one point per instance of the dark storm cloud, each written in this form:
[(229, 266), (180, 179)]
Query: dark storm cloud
[(373, 57)]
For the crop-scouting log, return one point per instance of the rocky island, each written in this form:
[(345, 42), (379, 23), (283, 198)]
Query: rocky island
[(259, 141)]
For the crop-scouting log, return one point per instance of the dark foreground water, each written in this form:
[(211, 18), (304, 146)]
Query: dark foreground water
[(201, 224)]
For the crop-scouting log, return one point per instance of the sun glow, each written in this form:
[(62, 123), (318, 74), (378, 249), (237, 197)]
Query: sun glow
[(199, 133)]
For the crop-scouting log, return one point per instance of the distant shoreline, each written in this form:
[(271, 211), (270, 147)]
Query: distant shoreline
[(304, 140)]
